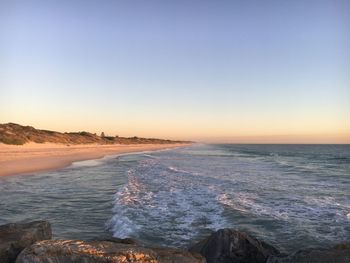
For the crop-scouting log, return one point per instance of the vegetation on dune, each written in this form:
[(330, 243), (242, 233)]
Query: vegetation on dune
[(12, 133)]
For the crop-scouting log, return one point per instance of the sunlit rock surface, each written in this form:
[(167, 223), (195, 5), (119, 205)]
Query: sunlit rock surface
[(75, 251)]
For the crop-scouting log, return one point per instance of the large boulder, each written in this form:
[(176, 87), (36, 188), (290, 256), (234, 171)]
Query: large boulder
[(338, 254), (231, 246), (15, 237), (76, 251)]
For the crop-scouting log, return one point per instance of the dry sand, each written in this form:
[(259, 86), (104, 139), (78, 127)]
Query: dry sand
[(33, 157)]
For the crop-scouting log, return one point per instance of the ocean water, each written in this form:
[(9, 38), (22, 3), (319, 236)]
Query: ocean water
[(293, 196)]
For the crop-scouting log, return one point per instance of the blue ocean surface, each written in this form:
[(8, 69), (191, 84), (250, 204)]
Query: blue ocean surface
[(292, 196)]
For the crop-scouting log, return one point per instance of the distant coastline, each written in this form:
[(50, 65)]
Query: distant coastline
[(16, 134), (24, 149)]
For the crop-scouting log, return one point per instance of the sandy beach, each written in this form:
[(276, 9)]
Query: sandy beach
[(33, 157)]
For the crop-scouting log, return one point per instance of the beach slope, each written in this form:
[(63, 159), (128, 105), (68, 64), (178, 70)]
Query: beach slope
[(39, 157)]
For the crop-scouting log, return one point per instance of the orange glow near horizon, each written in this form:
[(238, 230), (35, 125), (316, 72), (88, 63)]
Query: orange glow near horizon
[(197, 73), (207, 131)]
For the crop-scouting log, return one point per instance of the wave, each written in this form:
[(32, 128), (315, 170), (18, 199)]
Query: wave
[(87, 163), (149, 156), (154, 193), (177, 170), (187, 192)]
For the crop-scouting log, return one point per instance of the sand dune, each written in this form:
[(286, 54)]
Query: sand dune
[(33, 157)]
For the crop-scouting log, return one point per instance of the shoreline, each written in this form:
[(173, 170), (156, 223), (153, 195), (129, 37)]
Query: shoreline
[(35, 158)]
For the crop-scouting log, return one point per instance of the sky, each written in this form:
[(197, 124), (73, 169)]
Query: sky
[(213, 71)]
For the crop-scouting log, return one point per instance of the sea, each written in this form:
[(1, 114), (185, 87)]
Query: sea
[(291, 196)]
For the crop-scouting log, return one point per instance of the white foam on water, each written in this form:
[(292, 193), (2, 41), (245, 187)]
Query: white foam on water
[(156, 196), (100, 161), (205, 190), (237, 203), (87, 163), (150, 156), (178, 170)]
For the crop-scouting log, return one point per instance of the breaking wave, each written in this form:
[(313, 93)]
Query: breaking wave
[(171, 198)]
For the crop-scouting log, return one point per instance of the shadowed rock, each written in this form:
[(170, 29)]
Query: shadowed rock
[(231, 246), (129, 241), (15, 237), (338, 254), (75, 251)]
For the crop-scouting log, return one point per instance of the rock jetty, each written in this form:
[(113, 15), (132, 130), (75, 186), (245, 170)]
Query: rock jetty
[(32, 243), (78, 251)]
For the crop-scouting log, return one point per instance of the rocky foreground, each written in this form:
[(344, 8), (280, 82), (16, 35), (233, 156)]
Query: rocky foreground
[(32, 243)]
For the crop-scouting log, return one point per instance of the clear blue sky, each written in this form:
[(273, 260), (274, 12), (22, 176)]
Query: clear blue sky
[(207, 70)]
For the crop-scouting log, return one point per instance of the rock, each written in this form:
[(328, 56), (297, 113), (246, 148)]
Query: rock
[(15, 237), (338, 254), (76, 251), (231, 246), (172, 255), (129, 241), (342, 246)]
